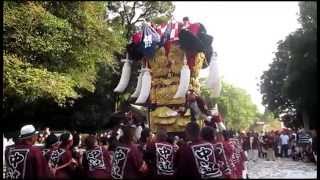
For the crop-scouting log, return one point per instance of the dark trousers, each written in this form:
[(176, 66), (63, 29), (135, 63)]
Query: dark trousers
[(284, 149), (276, 151)]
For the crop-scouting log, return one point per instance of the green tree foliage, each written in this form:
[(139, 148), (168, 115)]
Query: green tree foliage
[(57, 44), (273, 82), (290, 85), (130, 13), (29, 83), (266, 116), (270, 122), (58, 62), (235, 105)]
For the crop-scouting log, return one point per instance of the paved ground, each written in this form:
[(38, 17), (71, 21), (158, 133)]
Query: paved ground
[(282, 168)]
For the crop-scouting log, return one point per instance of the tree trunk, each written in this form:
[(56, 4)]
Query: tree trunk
[(306, 120), (129, 32)]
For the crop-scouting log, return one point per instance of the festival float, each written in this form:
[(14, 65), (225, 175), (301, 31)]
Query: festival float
[(171, 56)]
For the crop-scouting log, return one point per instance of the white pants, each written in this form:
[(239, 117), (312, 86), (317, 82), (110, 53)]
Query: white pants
[(253, 154)]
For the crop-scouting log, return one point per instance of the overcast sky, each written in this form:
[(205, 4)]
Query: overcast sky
[(245, 36)]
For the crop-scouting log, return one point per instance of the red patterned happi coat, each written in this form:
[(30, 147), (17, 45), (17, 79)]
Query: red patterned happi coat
[(25, 161), (97, 163)]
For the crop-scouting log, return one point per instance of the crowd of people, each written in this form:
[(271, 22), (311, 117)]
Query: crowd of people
[(298, 145), (129, 153)]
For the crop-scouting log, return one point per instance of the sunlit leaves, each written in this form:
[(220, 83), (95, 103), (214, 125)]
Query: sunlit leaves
[(29, 83), (59, 41), (234, 104)]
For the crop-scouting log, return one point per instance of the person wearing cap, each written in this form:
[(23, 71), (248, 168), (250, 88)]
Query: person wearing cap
[(51, 143), (23, 160), (96, 160), (61, 160), (51, 146)]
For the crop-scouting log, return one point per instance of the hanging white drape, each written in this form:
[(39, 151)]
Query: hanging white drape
[(214, 81), (125, 76), (184, 80), (139, 83), (145, 87)]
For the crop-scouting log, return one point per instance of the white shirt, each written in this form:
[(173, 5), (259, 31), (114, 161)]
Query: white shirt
[(284, 139)]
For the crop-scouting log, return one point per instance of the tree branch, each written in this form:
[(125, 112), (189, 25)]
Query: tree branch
[(126, 14), (142, 15), (134, 11), (122, 18)]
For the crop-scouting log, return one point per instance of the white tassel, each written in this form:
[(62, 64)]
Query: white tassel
[(125, 76), (138, 87), (214, 82), (184, 80), (145, 87), (220, 126)]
